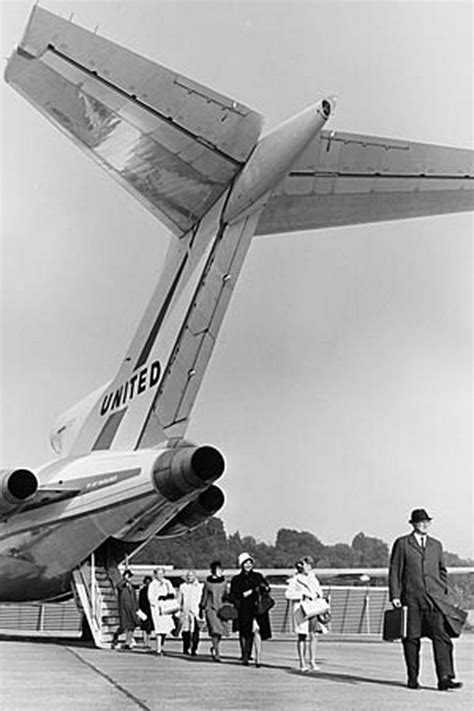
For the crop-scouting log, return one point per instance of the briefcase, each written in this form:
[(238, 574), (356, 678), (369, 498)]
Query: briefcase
[(395, 624)]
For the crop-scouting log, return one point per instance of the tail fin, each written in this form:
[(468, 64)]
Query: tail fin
[(150, 399)]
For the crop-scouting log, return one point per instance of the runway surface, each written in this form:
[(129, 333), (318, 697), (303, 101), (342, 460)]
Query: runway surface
[(58, 674)]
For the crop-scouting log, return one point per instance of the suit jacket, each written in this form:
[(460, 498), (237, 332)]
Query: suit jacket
[(417, 574)]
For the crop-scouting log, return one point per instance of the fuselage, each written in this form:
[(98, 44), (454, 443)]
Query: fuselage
[(84, 502)]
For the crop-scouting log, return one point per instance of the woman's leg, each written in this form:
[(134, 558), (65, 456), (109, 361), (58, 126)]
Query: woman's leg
[(215, 639), (258, 647), (301, 647), (195, 638), (312, 651), (186, 641)]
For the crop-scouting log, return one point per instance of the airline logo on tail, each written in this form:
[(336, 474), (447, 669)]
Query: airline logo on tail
[(139, 383)]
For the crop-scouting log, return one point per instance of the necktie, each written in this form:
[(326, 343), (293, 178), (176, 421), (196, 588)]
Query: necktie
[(423, 541)]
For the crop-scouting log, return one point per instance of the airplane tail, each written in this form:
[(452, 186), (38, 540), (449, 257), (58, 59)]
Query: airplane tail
[(126, 112), (195, 159)]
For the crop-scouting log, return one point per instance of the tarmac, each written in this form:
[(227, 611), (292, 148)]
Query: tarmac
[(59, 673)]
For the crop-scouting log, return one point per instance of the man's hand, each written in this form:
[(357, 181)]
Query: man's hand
[(396, 602)]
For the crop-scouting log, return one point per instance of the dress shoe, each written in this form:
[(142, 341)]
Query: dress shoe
[(448, 684), (413, 684)]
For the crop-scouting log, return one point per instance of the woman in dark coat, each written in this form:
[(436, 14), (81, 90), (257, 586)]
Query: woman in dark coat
[(127, 606), (214, 594), (245, 591), (144, 605)]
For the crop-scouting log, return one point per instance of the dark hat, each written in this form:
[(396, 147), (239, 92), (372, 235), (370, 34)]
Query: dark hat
[(418, 515)]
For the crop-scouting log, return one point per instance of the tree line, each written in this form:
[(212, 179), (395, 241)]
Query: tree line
[(210, 541)]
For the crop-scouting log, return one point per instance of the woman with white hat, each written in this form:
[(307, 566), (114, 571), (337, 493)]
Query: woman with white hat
[(246, 590)]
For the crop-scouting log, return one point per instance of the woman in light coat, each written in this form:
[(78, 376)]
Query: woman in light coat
[(160, 589), (304, 585), (189, 597)]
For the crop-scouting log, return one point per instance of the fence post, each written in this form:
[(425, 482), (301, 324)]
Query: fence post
[(367, 608), (41, 612)]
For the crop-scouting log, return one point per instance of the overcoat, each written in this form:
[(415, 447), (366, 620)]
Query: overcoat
[(214, 594), (418, 577), (127, 605), (247, 606), (159, 590), (144, 605)]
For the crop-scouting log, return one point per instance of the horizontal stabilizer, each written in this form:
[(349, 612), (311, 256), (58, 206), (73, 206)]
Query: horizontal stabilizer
[(174, 144), (347, 178)]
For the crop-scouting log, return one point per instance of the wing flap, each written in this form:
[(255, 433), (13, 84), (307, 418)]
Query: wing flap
[(171, 142), (346, 178)]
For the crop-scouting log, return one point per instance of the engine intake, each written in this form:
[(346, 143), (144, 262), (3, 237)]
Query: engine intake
[(16, 487)]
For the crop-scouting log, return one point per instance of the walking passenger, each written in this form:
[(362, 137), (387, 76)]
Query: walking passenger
[(127, 607), (146, 622), (418, 579), (304, 585), (160, 593), (245, 591), (189, 598), (214, 594)]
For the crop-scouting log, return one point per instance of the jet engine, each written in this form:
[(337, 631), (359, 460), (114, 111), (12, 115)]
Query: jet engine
[(207, 504), (178, 472), (16, 487)]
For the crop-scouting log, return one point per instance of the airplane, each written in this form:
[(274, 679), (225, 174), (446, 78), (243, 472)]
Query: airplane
[(202, 164)]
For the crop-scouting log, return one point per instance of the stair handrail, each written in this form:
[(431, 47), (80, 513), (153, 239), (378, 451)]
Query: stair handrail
[(93, 593)]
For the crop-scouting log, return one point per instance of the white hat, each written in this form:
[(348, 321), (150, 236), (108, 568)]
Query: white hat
[(243, 557)]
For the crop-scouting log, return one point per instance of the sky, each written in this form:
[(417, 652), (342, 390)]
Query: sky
[(340, 390)]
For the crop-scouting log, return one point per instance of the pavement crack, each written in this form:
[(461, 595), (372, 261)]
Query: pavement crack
[(107, 677)]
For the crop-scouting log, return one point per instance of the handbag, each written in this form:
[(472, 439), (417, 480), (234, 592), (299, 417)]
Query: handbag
[(313, 608), (168, 607), (325, 618), (227, 612), (265, 603)]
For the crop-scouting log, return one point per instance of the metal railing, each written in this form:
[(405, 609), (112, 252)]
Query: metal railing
[(354, 610)]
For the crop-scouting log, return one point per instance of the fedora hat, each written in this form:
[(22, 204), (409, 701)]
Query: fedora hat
[(418, 515)]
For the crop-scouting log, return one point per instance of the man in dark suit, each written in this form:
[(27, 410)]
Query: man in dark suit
[(418, 579)]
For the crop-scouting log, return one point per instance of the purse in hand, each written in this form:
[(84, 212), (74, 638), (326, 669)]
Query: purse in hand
[(265, 603), (313, 608), (227, 612), (168, 607)]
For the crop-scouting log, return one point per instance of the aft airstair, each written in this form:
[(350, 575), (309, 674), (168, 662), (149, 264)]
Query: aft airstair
[(95, 594)]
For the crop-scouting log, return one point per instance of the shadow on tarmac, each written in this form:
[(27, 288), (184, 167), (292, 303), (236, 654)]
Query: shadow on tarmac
[(203, 658)]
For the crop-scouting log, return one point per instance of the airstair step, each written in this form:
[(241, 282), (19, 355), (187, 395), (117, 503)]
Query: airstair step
[(108, 594)]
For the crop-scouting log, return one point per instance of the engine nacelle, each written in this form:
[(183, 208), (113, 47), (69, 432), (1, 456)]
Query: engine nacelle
[(16, 487), (177, 472), (206, 505)]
